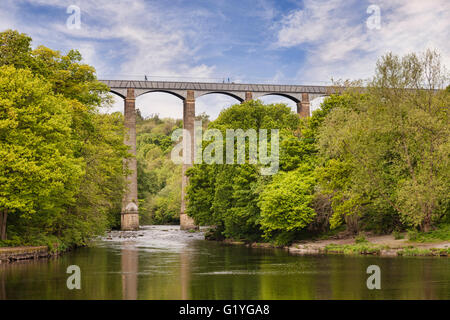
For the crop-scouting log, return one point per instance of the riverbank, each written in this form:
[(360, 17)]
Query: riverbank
[(10, 254), (384, 245)]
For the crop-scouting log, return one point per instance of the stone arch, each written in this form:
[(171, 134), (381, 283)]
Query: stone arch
[(295, 99), (176, 94), (233, 95), (117, 93)]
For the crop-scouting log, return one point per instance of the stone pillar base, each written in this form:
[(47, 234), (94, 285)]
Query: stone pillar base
[(187, 223), (129, 221)]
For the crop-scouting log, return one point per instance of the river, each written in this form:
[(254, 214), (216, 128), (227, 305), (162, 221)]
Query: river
[(163, 262)]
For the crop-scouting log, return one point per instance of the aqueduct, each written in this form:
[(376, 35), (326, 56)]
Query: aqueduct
[(188, 92)]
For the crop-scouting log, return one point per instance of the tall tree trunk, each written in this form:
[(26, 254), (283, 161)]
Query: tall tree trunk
[(426, 224), (1, 223), (3, 217), (351, 220)]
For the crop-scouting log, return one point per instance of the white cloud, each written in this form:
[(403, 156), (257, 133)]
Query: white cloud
[(150, 44), (339, 44), (146, 41), (309, 25)]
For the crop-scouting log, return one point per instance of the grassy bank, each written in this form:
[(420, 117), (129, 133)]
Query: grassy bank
[(433, 243)]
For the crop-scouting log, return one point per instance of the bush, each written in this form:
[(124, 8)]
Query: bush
[(361, 238), (397, 235), (442, 233), (284, 238), (413, 235), (361, 248)]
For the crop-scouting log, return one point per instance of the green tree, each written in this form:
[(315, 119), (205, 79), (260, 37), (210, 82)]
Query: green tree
[(226, 195), (15, 49), (159, 179), (286, 204), (395, 140), (39, 171), (95, 142)]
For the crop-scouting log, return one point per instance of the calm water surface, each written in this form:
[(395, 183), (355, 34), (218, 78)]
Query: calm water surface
[(162, 262)]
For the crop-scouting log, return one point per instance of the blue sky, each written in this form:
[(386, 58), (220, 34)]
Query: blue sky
[(261, 41)]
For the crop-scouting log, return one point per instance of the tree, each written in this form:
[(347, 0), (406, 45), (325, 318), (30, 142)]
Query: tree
[(395, 140), (39, 170), (94, 140), (159, 179), (226, 195), (15, 49), (286, 204)]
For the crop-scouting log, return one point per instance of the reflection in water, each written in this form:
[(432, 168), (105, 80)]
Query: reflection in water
[(162, 262), (130, 270), (184, 275), (2, 284)]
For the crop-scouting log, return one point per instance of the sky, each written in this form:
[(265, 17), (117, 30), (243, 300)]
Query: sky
[(258, 41)]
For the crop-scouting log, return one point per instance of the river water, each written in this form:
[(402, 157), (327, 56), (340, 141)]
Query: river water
[(163, 262)]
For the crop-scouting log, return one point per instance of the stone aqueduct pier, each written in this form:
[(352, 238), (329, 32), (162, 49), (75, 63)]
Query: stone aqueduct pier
[(188, 92)]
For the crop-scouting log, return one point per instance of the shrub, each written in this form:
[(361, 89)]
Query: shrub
[(413, 235), (397, 235), (361, 238)]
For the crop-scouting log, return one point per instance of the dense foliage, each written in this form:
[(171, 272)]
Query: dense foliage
[(391, 147), (159, 179), (227, 195), (375, 159), (61, 168)]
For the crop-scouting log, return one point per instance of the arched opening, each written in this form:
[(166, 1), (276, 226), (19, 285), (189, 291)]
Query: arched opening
[(159, 178), (161, 103), (223, 93), (162, 91), (213, 103), (279, 98)]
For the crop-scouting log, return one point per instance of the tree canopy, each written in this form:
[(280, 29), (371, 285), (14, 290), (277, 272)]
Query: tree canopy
[(373, 159), (61, 169)]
